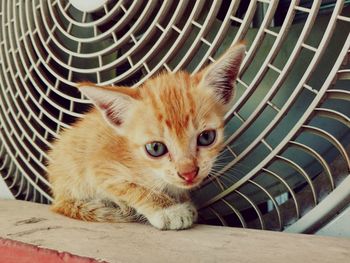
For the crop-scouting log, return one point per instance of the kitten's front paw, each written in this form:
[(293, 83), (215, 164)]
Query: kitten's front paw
[(176, 217)]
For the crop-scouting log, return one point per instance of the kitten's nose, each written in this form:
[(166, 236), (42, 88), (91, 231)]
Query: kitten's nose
[(190, 175)]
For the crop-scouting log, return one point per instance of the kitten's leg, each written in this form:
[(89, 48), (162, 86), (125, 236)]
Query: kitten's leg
[(95, 210), (161, 210)]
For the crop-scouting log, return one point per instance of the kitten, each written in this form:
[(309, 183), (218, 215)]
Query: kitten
[(140, 150)]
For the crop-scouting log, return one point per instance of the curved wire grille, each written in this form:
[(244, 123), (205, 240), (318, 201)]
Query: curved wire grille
[(286, 151)]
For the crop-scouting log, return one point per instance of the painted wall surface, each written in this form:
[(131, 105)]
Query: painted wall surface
[(4, 191), (338, 227)]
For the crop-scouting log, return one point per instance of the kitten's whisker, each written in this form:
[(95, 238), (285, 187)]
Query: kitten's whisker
[(227, 178), (217, 182), (231, 173), (232, 168), (231, 178), (216, 176), (219, 165)]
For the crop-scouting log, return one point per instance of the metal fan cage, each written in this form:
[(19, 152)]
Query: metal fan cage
[(286, 160)]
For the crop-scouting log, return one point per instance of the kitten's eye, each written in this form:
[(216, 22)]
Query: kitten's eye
[(206, 138), (156, 149)]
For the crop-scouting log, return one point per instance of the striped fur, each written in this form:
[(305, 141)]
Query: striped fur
[(103, 156)]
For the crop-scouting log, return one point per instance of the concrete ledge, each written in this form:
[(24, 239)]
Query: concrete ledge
[(35, 224)]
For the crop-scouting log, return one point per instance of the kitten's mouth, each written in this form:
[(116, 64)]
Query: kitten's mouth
[(191, 184)]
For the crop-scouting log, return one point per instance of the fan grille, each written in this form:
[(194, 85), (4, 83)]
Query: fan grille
[(287, 134)]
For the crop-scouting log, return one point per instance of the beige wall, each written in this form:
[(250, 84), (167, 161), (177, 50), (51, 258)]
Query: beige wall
[(4, 191)]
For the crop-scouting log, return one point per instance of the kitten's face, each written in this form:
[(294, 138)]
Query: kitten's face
[(177, 129), (173, 122)]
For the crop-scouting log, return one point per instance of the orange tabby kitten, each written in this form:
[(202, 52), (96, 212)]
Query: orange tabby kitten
[(139, 151)]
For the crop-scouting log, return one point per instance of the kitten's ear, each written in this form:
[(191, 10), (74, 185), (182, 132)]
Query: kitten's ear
[(222, 74), (114, 102)]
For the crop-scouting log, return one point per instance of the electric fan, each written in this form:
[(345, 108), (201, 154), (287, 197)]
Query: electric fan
[(286, 163)]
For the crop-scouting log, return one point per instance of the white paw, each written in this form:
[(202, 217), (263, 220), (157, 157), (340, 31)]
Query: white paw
[(179, 216)]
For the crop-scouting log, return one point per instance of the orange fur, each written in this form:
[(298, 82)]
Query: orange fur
[(99, 169)]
